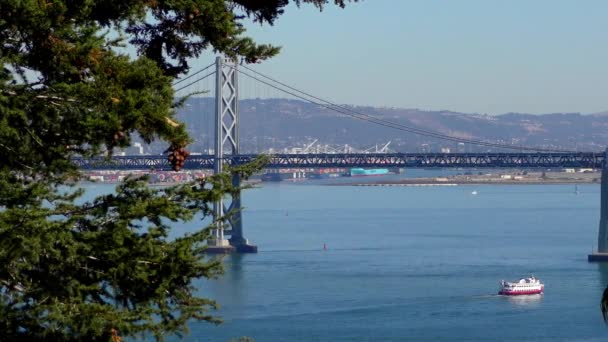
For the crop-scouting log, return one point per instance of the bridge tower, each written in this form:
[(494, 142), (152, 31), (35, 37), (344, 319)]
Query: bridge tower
[(602, 240), (227, 143)]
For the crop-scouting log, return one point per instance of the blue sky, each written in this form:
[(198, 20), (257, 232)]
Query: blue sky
[(481, 56)]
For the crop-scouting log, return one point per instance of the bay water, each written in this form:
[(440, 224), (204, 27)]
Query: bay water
[(410, 264)]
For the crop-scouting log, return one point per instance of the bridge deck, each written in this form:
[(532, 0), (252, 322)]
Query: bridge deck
[(405, 160)]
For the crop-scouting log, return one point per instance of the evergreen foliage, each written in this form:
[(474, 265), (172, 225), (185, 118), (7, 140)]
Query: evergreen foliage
[(96, 270)]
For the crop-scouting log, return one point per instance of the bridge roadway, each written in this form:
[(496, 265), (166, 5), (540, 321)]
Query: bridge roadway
[(594, 160)]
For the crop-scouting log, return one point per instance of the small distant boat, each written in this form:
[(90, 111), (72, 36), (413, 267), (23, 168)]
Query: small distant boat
[(474, 192), (525, 286), (576, 189)]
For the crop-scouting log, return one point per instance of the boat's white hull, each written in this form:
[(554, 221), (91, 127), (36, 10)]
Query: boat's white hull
[(516, 292)]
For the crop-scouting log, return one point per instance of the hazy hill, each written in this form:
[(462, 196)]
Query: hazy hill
[(281, 123)]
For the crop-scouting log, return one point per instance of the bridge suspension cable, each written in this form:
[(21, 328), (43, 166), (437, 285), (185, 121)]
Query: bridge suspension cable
[(192, 75), (195, 81), (373, 119)]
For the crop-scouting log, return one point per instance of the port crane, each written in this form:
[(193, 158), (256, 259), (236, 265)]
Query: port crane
[(375, 149)]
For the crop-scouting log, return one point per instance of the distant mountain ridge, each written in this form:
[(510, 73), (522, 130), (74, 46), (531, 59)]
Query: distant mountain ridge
[(283, 123)]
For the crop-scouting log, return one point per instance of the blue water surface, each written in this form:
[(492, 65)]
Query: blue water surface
[(411, 264)]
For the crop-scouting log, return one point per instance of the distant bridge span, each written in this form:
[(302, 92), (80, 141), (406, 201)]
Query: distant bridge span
[(594, 160), (227, 152)]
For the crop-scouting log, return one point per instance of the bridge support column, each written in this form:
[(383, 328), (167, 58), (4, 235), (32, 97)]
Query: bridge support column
[(602, 239), (227, 136), (237, 240)]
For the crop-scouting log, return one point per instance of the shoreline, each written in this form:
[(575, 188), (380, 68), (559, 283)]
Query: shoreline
[(457, 183), (552, 178)]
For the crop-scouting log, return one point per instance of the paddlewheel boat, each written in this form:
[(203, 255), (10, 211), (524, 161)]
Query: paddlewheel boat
[(526, 286)]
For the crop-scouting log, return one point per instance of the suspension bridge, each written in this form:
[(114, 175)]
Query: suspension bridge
[(227, 153)]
